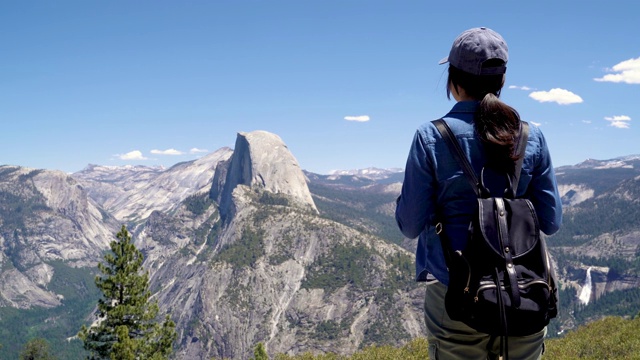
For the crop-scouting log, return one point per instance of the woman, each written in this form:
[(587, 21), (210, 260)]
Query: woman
[(487, 130)]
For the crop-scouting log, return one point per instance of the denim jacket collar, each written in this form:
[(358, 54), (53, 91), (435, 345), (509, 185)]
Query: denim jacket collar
[(465, 107)]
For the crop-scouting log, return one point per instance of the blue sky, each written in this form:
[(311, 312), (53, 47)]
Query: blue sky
[(160, 82)]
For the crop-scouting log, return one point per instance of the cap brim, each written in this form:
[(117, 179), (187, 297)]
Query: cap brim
[(497, 70), (444, 61)]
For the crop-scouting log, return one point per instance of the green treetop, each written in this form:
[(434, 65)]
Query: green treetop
[(127, 327), (36, 349)]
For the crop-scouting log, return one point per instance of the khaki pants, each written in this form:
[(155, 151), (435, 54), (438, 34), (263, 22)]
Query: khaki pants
[(452, 340)]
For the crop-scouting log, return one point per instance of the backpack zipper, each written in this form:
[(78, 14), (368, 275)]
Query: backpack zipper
[(482, 288), (547, 264), (466, 288), (502, 287)]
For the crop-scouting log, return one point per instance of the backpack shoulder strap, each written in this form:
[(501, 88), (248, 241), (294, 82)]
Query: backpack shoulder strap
[(457, 152)]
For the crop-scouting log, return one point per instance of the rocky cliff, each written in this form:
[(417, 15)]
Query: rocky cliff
[(45, 216), (261, 160)]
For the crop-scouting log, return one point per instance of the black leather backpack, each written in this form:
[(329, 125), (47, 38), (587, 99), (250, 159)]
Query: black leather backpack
[(502, 283)]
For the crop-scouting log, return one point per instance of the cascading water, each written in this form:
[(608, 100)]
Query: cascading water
[(585, 293)]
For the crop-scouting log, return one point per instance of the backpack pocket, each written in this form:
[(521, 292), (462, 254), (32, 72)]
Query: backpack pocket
[(530, 317)]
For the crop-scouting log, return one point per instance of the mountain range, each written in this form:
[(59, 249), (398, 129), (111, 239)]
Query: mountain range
[(243, 246)]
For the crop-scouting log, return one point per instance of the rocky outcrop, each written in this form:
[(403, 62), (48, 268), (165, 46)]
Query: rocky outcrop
[(262, 160), (573, 194), (47, 215), (21, 291)]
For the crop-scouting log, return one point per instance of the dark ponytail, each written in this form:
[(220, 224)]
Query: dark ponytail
[(496, 123)]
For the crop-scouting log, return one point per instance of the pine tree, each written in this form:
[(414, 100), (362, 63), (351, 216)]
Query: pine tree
[(127, 327), (36, 349), (260, 353)]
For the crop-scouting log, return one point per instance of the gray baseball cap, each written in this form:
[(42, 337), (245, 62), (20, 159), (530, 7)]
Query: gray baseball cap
[(475, 46)]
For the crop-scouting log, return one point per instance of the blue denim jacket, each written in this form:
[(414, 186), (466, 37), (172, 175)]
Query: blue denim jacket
[(435, 184)]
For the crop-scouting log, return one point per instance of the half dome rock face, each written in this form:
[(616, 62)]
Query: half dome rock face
[(262, 160)]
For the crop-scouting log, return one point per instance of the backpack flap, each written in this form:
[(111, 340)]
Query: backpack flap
[(521, 221)]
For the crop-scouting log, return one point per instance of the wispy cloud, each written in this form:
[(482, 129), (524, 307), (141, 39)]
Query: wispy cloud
[(525, 88), (619, 121), (557, 95), (359, 118), (132, 155), (627, 71), (167, 152), (198, 151), (536, 123), (586, 121)]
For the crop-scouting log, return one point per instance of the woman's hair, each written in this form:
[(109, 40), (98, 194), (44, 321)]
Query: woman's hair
[(496, 123)]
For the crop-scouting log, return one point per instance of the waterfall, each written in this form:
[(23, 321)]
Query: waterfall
[(585, 293)]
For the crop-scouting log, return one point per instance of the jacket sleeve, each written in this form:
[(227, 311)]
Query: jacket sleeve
[(544, 192), (415, 205)]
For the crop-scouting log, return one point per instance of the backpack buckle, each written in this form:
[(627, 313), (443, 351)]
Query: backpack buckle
[(438, 228)]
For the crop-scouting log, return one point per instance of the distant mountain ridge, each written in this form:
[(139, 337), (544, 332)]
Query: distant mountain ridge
[(593, 177), (369, 173), (131, 194), (629, 161)]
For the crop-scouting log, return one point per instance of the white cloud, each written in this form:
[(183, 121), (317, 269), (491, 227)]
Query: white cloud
[(196, 151), (627, 71), (560, 96), (618, 118), (132, 155), (525, 88), (586, 121), (167, 152), (536, 123), (360, 118), (619, 121)]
